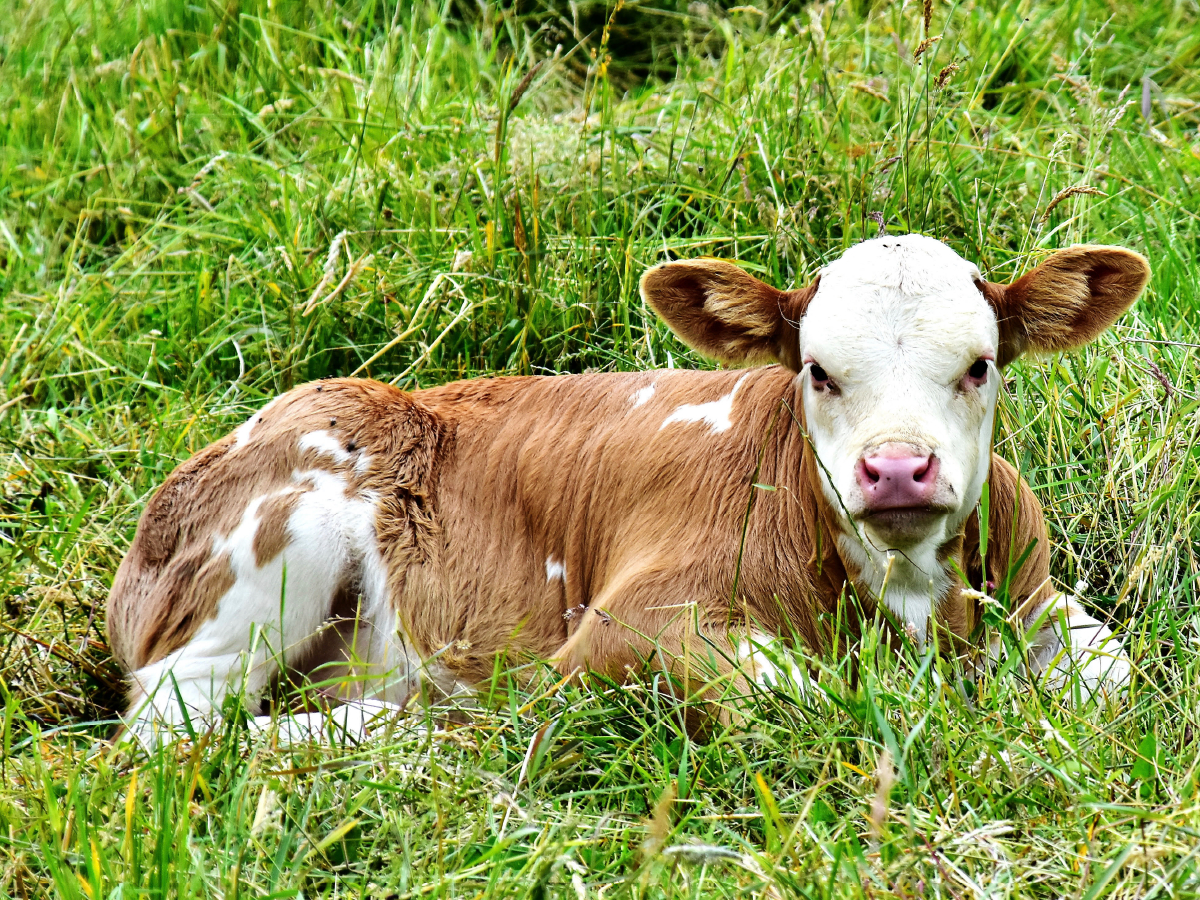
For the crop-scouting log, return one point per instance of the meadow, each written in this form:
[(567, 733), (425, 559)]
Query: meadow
[(204, 204)]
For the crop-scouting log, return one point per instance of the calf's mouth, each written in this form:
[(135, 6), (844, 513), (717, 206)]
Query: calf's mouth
[(904, 525)]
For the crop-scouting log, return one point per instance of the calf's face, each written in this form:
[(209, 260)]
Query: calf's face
[(897, 352), (898, 347)]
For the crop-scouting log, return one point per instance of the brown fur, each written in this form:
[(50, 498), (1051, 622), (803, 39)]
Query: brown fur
[(198, 580), (1067, 301), (651, 548), (726, 313), (272, 535)]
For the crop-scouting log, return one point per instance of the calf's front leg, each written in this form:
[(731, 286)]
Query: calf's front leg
[(651, 621), (1069, 643)]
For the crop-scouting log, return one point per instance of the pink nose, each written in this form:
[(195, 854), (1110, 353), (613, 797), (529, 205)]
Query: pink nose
[(897, 479)]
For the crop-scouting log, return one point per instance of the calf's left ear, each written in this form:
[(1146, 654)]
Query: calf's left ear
[(1067, 301), (724, 312)]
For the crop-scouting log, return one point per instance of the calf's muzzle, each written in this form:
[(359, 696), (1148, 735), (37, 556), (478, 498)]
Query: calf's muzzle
[(897, 476)]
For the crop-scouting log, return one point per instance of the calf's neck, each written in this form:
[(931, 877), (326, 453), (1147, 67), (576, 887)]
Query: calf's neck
[(682, 520)]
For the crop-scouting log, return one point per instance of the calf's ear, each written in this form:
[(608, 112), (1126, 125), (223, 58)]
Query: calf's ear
[(725, 313), (1067, 301)]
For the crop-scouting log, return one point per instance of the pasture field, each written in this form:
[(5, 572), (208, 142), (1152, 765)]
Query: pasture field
[(203, 204)]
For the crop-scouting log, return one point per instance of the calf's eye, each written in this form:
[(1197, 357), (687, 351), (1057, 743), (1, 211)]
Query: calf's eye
[(977, 374), (820, 378)]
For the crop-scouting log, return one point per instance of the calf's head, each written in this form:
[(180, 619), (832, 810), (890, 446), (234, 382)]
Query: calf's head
[(897, 347)]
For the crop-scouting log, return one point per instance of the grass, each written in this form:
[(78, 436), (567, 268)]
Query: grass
[(202, 205)]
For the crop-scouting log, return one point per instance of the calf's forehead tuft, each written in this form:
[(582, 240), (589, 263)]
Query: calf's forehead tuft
[(912, 264), (894, 289)]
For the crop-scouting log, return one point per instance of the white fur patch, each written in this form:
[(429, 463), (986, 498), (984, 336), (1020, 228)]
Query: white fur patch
[(555, 569), (245, 431), (271, 612), (768, 662), (353, 722), (362, 465), (909, 584), (715, 413), (327, 445), (637, 398), (1086, 648)]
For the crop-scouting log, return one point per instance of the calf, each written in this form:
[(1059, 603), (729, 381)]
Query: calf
[(611, 521)]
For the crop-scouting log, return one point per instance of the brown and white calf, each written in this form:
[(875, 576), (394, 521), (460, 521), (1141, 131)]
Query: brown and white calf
[(606, 521)]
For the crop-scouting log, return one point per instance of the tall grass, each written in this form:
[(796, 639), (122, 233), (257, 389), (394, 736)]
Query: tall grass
[(204, 204)]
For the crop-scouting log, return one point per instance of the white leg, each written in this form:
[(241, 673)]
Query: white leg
[(192, 681), (366, 656), (395, 668), (769, 662), (350, 723), (1069, 643)]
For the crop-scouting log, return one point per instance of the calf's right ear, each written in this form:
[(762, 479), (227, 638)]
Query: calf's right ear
[(1067, 301), (725, 313)]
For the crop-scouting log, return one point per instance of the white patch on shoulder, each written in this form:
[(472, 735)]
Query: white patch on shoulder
[(246, 430), (716, 413), (326, 444), (555, 569), (637, 398)]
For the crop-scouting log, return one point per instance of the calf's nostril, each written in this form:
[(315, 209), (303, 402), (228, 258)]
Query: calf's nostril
[(922, 473)]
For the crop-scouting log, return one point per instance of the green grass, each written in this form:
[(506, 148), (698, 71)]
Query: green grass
[(172, 180)]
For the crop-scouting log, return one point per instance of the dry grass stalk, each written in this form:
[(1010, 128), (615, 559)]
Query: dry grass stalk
[(885, 780), (925, 45), (328, 271), (944, 76), (1069, 192)]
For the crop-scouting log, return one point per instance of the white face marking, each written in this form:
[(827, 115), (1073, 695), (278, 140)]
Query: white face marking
[(637, 398), (555, 569), (715, 413), (895, 324)]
